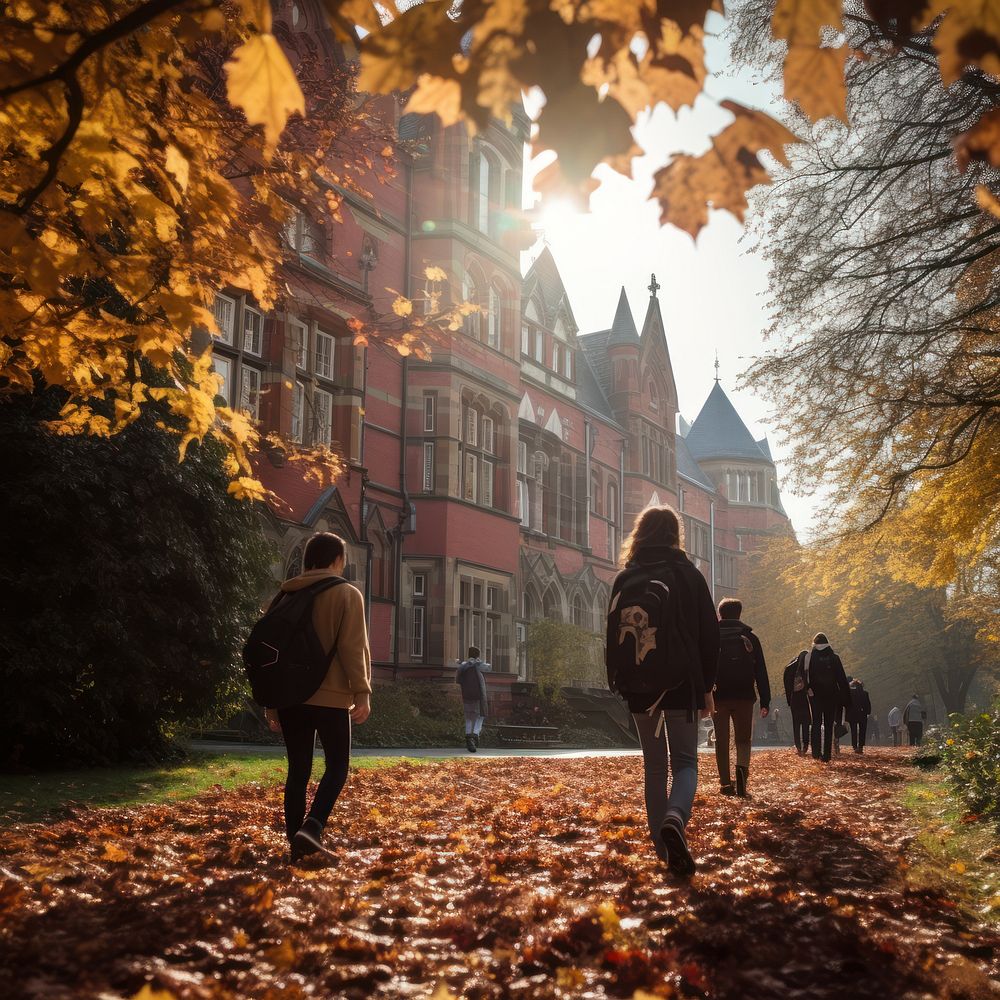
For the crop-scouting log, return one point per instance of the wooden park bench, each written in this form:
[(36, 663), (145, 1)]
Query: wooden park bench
[(540, 737)]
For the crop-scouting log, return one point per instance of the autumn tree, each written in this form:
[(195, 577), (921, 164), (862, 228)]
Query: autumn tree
[(128, 582)]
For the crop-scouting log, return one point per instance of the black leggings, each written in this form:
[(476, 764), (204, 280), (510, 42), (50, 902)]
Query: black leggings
[(858, 732), (299, 725), (801, 724), (824, 717)]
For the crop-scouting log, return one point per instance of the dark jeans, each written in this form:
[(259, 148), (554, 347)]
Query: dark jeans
[(801, 721), (741, 715), (916, 733), (824, 712), (299, 725), (858, 732)]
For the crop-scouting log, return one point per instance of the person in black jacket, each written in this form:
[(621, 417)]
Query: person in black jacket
[(666, 720), (858, 710), (828, 692), (798, 701), (740, 678)]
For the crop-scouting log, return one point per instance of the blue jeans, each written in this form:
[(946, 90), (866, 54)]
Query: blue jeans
[(676, 750)]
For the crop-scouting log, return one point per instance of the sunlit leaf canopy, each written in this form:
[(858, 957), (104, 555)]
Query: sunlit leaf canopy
[(153, 152)]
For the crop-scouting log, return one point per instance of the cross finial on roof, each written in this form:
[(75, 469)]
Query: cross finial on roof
[(716, 366), (653, 285)]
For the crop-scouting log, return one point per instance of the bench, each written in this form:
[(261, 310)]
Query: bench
[(528, 736)]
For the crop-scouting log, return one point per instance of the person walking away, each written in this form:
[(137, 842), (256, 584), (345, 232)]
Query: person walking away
[(473, 684), (741, 676), (914, 716), (798, 702), (874, 729), (858, 710), (661, 656), (343, 696), (895, 722), (828, 692)]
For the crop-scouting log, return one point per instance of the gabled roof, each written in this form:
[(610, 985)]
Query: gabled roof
[(544, 274), (595, 350), (719, 432), (653, 331), (623, 329), (689, 469), (588, 386), (764, 446)]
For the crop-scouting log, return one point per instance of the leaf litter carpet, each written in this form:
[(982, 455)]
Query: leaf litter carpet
[(495, 878)]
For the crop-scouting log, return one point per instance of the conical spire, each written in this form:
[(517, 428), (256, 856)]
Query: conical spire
[(623, 329), (719, 432)]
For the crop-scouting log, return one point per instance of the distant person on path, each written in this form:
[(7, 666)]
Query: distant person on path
[(740, 678), (914, 716), (895, 723), (661, 656), (826, 685), (858, 711), (343, 697), (798, 702), (875, 728), (473, 684)]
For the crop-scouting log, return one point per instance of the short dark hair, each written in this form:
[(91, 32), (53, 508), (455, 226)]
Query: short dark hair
[(730, 607), (322, 550), (473, 652), (820, 637)]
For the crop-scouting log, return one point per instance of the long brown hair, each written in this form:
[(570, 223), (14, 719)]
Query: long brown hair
[(654, 526)]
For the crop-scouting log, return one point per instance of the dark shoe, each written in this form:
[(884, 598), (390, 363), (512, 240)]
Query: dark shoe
[(727, 790), (742, 773), (308, 840), (470, 743), (679, 859), (475, 739)]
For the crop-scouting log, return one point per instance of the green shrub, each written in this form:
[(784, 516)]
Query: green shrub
[(413, 714), (970, 754)]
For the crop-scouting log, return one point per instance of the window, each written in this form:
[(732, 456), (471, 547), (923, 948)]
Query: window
[(492, 598), (324, 354), (568, 369), (470, 489), (493, 320), (613, 541), (224, 368), (654, 398), (419, 585), (488, 434), (471, 425), (522, 501), (522, 456), (224, 309), (487, 484), (558, 350), (489, 644), (323, 407), (525, 338), (300, 343), (250, 391), (298, 410), (483, 200), (428, 413), (428, 467), (253, 325), (539, 347), (303, 234), (472, 323), (417, 632)]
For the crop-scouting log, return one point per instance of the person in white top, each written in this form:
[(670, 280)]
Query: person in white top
[(914, 715), (895, 721)]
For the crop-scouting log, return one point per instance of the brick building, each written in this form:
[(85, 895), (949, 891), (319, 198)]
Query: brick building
[(492, 485)]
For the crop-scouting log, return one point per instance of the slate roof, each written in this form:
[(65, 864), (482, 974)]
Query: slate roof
[(765, 446), (719, 432), (545, 274), (689, 468), (595, 350), (588, 387)]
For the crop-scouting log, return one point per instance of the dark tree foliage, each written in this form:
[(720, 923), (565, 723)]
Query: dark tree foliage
[(127, 582)]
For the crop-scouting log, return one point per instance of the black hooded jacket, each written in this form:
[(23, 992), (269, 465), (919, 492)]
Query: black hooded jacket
[(744, 691), (697, 622), (860, 705)]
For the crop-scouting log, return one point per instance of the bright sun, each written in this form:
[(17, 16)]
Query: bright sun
[(557, 214)]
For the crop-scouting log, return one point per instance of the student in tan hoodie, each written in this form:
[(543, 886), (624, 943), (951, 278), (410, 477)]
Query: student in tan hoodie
[(343, 697)]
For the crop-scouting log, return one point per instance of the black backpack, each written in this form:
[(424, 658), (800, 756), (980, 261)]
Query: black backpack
[(822, 675), (643, 653), (737, 663), (283, 657)]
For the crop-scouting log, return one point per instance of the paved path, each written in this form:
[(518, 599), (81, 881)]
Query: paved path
[(419, 752)]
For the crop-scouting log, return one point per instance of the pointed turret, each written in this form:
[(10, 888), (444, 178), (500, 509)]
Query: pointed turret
[(623, 329), (719, 432)]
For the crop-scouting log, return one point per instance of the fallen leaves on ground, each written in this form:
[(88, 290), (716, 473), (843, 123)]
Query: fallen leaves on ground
[(495, 878)]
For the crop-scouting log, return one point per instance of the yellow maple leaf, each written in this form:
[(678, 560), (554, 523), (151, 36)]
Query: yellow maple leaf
[(435, 274), (148, 993), (112, 852), (178, 165), (402, 306), (261, 82)]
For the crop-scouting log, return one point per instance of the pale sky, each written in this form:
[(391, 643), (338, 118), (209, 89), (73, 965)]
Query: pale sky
[(714, 292)]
